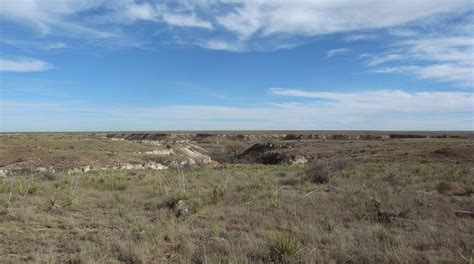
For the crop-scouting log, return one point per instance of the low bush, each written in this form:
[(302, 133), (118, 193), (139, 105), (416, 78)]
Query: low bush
[(321, 171)]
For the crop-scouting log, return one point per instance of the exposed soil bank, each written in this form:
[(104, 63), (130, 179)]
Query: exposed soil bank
[(350, 135)]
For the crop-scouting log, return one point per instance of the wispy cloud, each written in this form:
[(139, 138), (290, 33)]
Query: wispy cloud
[(53, 16), (386, 101), (332, 52), (264, 20), (36, 45), (23, 65), (143, 11), (312, 18), (444, 72), (105, 22), (186, 21), (437, 49), (380, 59), (322, 17), (446, 58)]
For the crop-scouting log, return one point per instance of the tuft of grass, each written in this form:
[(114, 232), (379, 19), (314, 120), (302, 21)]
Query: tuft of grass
[(381, 234), (121, 212), (4, 207), (64, 201), (112, 183), (119, 185), (329, 224), (217, 195), (196, 205), (126, 254)]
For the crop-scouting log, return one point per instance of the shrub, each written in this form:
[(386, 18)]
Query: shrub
[(321, 171), (286, 246), (174, 198), (49, 175), (443, 187)]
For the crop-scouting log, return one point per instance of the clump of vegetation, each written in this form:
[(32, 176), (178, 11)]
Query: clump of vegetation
[(126, 254), (174, 198), (49, 175), (17, 191), (443, 187), (321, 171), (329, 224), (118, 185), (217, 194), (4, 207), (113, 183), (286, 247), (382, 234)]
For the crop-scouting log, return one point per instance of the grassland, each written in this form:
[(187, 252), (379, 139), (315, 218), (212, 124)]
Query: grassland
[(340, 208)]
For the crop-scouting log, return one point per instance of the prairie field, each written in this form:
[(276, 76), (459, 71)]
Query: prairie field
[(95, 198)]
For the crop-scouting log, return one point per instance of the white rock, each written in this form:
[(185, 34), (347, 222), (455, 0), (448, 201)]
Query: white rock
[(4, 172)]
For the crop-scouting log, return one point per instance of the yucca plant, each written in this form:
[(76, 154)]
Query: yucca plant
[(286, 246)]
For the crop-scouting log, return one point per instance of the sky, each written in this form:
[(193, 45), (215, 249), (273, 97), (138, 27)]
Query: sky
[(68, 65)]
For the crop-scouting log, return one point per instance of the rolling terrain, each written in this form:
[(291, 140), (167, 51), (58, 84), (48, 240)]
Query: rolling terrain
[(232, 197)]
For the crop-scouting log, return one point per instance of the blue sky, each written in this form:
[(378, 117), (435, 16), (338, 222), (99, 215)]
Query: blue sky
[(230, 65)]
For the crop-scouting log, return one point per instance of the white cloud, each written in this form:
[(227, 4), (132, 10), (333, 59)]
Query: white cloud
[(446, 58), (23, 65), (388, 101), (377, 60), (324, 17), (60, 17), (459, 49), (52, 15), (37, 45), (140, 12), (333, 52), (448, 72), (244, 19), (186, 21), (444, 72), (217, 44), (182, 16)]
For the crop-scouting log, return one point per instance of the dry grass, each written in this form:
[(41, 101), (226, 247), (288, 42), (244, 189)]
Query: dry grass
[(370, 212)]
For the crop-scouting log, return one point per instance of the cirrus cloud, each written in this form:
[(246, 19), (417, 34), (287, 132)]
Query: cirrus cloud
[(23, 65)]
